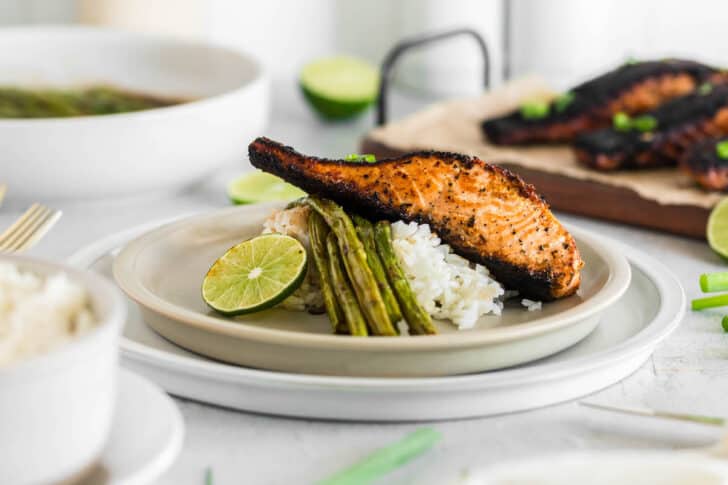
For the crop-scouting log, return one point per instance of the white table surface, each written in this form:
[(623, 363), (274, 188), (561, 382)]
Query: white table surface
[(688, 372)]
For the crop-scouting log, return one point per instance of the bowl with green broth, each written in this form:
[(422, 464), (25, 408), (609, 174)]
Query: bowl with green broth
[(91, 113)]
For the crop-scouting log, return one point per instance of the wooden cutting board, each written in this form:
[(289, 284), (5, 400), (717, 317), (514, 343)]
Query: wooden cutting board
[(662, 199)]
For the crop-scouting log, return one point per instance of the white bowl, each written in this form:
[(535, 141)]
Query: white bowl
[(56, 408), (110, 155)]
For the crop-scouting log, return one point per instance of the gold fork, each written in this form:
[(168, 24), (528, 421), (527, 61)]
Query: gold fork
[(28, 229), (3, 189)]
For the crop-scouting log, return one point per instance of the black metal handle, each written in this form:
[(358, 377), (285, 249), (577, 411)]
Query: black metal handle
[(419, 41)]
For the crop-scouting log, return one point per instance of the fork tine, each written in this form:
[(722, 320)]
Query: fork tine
[(19, 223), (24, 229), (42, 229), (3, 190)]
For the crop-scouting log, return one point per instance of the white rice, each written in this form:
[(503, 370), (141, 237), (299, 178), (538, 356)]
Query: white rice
[(448, 286), (531, 305), (38, 314), (294, 222)]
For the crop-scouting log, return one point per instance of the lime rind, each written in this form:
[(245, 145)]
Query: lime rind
[(717, 228), (255, 275), (339, 87), (260, 186)]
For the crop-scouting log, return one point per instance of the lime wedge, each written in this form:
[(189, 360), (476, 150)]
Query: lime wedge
[(261, 187), (340, 87), (254, 275), (717, 231)]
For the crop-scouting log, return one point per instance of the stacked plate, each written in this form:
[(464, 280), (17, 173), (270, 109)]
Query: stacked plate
[(288, 363)]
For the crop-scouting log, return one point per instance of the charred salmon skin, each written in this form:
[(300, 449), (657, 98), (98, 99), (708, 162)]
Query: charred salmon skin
[(485, 213), (632, 88), (676, 127), (707, 163)]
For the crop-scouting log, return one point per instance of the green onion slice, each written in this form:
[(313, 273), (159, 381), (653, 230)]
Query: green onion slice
[(644, 123), (622, 122), (355, 157), (535, 110), (721, 149), (705, 88)]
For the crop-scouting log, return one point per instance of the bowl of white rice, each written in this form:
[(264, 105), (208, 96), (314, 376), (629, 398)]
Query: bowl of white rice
[(59, 330)]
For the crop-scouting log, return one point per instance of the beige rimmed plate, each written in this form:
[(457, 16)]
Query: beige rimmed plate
[(163, 269)]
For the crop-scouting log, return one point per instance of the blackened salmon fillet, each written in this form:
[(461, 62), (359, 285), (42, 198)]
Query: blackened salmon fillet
[(485, 213), (707, 163), (678, 125), (631, 88)]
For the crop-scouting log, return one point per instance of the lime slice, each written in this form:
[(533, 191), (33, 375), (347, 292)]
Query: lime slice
[(340, 87), (717, 231), (254, 275), (261, 187)]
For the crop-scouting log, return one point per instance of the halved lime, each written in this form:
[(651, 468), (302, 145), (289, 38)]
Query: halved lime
[(717, 230), (261, 187), (340, 87), (254, 275)]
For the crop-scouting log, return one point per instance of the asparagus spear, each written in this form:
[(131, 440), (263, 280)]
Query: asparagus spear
[(365, 230), (418, 319), (355, 262), (347, 299), (317, 232)]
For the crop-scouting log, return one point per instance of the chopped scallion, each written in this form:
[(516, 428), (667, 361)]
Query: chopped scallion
[(705, 88), (710, 302), (535, 110), (711, 282), (644, 123), (724, 323), (355, 157), (721, 149), (622, 122)]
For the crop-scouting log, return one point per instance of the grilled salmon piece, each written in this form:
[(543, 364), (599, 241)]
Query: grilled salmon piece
[(678, 126), (485, 213), (632, 88)]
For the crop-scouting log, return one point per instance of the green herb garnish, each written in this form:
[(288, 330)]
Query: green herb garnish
[(711, 282), (355, 157), (644, 123), (563, 101), (208, 476), (721, 149), (724, 323), (386, 459), (622, 122), (705, 88), (631, 61), (709, 302), (535, 110)]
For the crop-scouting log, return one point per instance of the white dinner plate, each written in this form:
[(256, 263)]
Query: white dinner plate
[(146, 435), (650, 309), (163, 269)]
